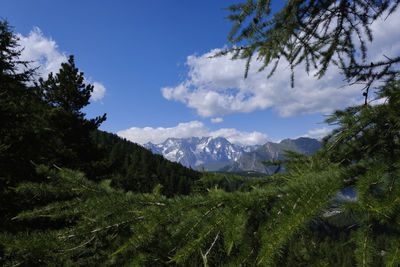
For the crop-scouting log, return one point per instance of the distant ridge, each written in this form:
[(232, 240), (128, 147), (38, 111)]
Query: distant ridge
[(252, 161), (208, 153), (218, 154)]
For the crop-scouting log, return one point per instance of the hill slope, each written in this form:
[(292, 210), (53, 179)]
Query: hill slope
[(133, 167), (252, 161)]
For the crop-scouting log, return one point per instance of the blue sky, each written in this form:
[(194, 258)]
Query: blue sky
[(149, 63)]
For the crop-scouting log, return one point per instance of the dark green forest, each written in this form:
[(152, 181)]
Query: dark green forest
[(72, 195)]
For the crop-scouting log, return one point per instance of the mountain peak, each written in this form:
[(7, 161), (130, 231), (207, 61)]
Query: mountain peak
[(197, 152), (270, 151), (217, 153)]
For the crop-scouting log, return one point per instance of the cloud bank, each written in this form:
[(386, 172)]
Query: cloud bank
[(216, 87), (190, 129), (45, 55)]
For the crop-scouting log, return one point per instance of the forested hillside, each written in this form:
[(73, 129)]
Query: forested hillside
[(75, 196), (42, 123), (134, 168)]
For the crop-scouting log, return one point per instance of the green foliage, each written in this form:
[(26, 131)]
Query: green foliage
[(36, 127), (316, 33), (318, 248), (9, 59), (43, 123), (134, 168), (71, 141), (111, 227), (142, 227), (260, 221), (143, 210), (20, 120), (66, 88), (234, 182), (301, 202)]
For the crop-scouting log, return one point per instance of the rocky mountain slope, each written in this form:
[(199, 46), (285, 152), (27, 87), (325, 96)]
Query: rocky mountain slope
[(210, 153), (218, 154), (252, 161)]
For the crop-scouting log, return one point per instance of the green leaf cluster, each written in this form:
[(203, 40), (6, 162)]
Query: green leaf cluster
[(317, 33)]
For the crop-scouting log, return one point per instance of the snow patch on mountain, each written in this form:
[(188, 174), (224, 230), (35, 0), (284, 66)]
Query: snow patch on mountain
[(197, 152)]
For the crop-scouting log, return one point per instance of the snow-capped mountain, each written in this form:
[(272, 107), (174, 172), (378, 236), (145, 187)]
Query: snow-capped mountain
[(270, 151), (206, 152)]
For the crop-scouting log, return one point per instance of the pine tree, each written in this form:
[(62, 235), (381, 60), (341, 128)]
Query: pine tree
[(316, 33), (66, 89), (20, 120), (296, 217), (71, 143), (34, 131)]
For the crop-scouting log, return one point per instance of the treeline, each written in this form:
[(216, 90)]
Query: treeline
[(42, 123), (117, 205), (134, 168)]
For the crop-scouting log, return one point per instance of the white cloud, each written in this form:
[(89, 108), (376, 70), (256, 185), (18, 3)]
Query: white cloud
[(215, 86), (42, 51), (98, 91), (158, 135), (318, 133), (44, 54), (217, 120), (190, 129), (238, 137), (386, 38)]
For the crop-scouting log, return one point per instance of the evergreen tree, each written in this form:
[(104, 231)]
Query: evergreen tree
[(20, 121), (35, 129), (10, 65), (66, 89), (317, 33), (71, 143), (292, 218), (134, 168)]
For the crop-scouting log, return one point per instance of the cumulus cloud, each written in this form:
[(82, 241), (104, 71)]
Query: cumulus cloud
[(217, 120), (190, 129), (158, 135), (44, 54), (238, 137), (318, 133), (42, 51), (98, 91), (215, 86)]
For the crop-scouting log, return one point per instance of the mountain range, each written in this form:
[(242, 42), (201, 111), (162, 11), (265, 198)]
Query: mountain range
[(218, 154), (270, 151), (209, 153)]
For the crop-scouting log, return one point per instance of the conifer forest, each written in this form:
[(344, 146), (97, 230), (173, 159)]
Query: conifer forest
[(72, 195)]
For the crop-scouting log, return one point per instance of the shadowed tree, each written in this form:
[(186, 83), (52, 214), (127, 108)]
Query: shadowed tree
[(297, 217), (72, 143)]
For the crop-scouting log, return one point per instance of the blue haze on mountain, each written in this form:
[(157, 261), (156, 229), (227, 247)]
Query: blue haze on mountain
[(218, 154)]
